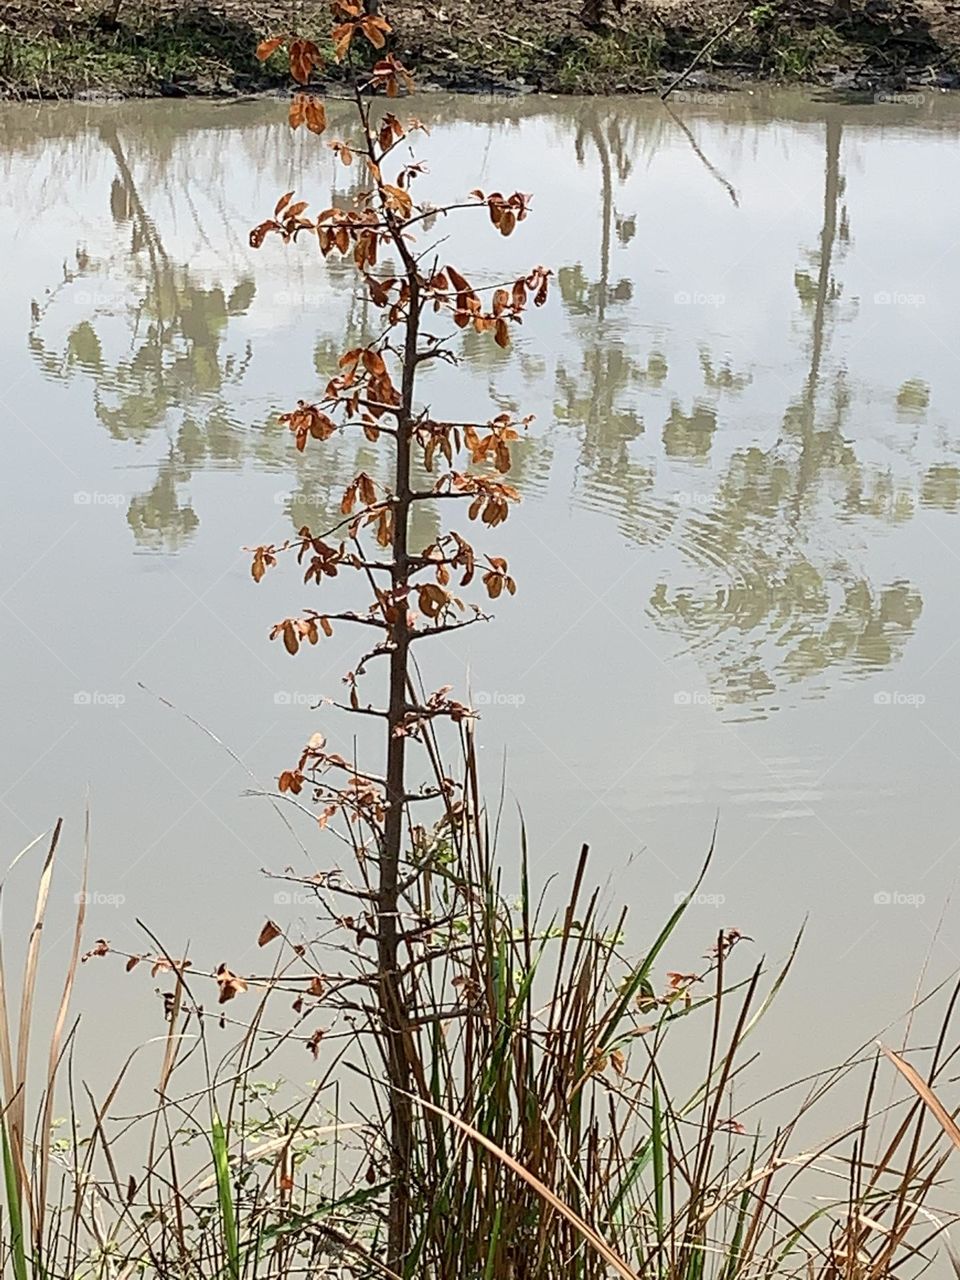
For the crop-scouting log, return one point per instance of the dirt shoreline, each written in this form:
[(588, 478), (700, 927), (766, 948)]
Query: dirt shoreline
[(129, 48)]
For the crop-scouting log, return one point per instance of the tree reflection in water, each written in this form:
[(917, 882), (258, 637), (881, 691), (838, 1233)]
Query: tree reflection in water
[(768, 590), (775, 601), (173, 368)]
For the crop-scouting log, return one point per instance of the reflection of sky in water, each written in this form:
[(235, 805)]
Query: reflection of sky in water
[(739, 523), (715, 411)]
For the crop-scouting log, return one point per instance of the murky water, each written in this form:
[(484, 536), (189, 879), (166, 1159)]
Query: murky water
[(737, 555)]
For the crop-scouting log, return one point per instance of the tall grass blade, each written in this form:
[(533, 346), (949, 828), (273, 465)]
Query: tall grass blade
[(926, 1095), (11, 1183), (228, 1217), (56, 1039)]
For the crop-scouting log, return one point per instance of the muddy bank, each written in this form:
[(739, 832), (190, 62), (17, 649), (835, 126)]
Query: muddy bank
[(128, 48)]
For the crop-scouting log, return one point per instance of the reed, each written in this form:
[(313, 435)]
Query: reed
[(570, 1110)]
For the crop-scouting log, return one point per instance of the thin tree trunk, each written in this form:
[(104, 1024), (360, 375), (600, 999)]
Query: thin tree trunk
[(393, 1003)]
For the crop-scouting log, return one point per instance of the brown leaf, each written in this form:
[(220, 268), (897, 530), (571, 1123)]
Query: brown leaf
[(304, 56), (315, 115), (385, 528), (368, 493), (230, 985), (297, 111), (459, 283), (266, 47), (373, 362), (376, 30), (282, 203), (398, 199), (100, 948), (341, 37), (268, 933), (259, 233)]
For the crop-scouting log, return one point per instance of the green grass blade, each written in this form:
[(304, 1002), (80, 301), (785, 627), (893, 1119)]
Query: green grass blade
[(228, 1217), (488, 1272), (14, 1208), (658, 1140)]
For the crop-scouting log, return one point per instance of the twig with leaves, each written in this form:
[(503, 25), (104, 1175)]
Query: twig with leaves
[(414, 595)]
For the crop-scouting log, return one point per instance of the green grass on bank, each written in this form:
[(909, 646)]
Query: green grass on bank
[(202, 49), (194, 52)]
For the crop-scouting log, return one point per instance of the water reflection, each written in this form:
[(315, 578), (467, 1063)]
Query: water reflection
[(152, 345), (787, 603), (763, 484)]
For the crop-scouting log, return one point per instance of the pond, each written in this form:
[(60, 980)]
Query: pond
[(737, 552)]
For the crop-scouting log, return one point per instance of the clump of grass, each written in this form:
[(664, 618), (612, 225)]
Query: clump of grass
[(612, 62), (45, 66), (572, 1113), (787, 50), (195, 50)]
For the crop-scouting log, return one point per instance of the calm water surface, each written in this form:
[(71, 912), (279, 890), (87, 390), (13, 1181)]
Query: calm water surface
[(738, 552)]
